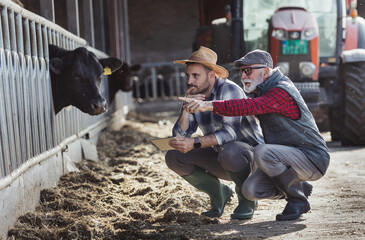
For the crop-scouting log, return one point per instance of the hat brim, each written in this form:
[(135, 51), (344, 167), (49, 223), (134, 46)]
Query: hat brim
[(219, 71), (240, 63)]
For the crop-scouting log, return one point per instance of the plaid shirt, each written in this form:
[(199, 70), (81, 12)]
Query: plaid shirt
[(276, 100), (225, 129)]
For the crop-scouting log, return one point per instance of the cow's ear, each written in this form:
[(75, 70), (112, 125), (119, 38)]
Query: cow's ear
[(111, 62), (55, 64), (135, 68)]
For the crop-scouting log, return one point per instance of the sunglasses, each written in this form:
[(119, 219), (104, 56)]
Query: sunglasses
[(248, 70)]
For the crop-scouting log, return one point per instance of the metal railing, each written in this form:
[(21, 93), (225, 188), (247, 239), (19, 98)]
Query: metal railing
[(28, 124), (158, 81)]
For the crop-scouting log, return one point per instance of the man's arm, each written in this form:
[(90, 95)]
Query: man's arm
[(276, 100), (185, 123), (183, 120), (185, 145)]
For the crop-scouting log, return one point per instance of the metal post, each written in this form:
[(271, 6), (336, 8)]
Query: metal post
[(73, 23), (47, 9), (88, 17)]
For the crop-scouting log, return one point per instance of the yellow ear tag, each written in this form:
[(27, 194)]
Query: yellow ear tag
[(107, 71)]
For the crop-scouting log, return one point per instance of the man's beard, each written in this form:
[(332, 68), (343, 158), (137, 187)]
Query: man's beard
[(253, 84), (203, 89), (251, 88)]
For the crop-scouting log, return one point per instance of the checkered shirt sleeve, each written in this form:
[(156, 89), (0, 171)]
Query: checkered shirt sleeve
[(276, 100)]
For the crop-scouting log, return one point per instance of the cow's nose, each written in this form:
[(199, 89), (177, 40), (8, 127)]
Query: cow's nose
[(99, 105)]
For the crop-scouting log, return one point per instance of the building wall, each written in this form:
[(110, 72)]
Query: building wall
[(162, 31)]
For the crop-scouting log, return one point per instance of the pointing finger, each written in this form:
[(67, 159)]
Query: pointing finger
[(187, 100)]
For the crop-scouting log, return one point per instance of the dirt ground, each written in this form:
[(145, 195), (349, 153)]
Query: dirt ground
[(131, 194)]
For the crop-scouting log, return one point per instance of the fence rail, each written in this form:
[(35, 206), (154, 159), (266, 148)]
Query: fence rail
[(28, 124)]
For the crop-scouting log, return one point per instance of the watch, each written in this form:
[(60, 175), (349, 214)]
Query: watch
[(197, 143)]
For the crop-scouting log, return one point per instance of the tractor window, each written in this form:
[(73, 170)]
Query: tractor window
[(257, 14)]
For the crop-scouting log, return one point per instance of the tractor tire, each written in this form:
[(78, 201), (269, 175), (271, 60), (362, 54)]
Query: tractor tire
[(353, 128)]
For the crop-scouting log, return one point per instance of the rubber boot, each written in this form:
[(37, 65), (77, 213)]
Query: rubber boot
[(307, 190), (245, 208), (289, 183), (219, 193)]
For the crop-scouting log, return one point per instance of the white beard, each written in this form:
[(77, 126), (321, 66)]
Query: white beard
[(251, 87), (252, 84)]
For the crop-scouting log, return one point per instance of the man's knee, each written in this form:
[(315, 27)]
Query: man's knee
[(248, 191), (262, 155), (170, 159), (235, 156), (175, 161)]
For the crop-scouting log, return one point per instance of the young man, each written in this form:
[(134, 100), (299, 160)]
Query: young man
[(226, 149), (294, 150)]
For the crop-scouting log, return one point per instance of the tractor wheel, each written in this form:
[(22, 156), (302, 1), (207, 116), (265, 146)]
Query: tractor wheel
[(353, 129)]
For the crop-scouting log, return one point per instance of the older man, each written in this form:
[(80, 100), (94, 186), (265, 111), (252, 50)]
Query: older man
[(294, 150), (226, 149)]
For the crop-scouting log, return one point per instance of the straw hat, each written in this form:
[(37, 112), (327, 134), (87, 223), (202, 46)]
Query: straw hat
[(208, 58)]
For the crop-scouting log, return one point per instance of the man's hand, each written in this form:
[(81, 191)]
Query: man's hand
[(197, 96), (182, 144), (193, 105)]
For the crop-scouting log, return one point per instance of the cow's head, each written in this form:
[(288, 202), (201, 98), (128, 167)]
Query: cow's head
[(76, 79), (121, 79)]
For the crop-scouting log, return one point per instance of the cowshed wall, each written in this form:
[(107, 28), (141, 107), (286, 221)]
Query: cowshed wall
[(162, 31)]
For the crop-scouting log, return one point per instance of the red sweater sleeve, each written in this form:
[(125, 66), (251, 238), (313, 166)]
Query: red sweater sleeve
[(276, 100)]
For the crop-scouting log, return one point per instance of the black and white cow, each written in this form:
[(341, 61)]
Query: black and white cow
[(76, 79)]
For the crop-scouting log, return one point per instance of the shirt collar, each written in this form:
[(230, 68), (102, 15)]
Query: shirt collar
[(261, 87), (214, 91)]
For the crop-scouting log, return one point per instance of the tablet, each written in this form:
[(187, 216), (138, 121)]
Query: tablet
[(162, 143)]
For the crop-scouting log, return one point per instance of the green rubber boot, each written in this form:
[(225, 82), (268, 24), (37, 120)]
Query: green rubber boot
[(219, 193), (245, 208)]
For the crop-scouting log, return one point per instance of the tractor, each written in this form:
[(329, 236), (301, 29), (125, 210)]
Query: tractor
[(319, 45)]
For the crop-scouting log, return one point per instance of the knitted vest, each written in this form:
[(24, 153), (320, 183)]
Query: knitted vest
[(302, 134)]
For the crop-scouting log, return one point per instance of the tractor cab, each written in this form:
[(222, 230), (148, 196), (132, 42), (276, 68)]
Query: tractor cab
[(298, 34)]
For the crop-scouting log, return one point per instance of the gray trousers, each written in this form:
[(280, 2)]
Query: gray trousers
[(271, 160), (232, 156)]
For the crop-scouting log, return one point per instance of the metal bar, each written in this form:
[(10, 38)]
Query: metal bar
[(127, 54), (21, 92), (5, 151), (73, 24), (12, 30), (154, 82), (146, 86), (88, 19), (47, 9), (99, 25), (47, 92), (26, 86), (171, 84), (19, 33), (33, 90), (10, 144), (41, 89), (6, 37)]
